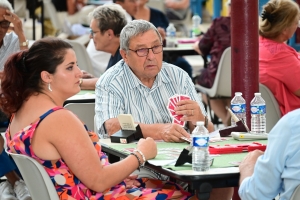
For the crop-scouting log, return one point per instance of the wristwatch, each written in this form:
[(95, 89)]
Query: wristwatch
[(24, 44)]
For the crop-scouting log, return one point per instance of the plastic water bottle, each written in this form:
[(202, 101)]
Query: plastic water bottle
[(196, 23), (200, 138), (171, 35), (258, 114), (238, 107)]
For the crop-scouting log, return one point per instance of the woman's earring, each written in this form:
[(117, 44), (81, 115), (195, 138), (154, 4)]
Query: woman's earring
[(49, 87)]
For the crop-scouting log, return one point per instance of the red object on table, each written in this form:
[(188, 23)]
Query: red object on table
[(236, 148)]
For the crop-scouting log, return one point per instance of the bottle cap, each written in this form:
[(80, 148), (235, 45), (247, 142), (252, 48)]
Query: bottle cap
[(200, 123), (257, 93), (238, 94)]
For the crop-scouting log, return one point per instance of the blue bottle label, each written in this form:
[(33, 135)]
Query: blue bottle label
[(200, 141), (258, 109), (238, 108)]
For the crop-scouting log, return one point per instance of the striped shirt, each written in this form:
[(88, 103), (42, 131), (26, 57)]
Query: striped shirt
[(119, 91), (10, 45)]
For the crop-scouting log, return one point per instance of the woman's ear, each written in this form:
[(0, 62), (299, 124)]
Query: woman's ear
[(46, 77)]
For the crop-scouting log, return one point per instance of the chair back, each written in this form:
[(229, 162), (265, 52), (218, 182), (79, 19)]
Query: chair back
[(51, 13), (157, 4), (36, 178), (273, 113), (296, 194), (84, 111), (222, 83), (83, 60)]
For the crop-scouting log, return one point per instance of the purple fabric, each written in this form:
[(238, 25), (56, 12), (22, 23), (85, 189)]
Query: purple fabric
[(213, 43)]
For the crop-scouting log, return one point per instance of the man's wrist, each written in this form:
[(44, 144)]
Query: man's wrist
[(24, 44)]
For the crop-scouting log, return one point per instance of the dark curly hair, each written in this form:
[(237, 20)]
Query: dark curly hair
[(21, 76)]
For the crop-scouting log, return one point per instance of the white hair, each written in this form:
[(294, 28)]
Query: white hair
[(6, 5)]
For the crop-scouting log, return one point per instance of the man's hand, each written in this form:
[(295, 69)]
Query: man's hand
[(190, 111), (18, 28), (86, 75), (173, 133), (247, 165)]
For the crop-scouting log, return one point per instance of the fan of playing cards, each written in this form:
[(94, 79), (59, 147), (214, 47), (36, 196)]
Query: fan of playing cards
[(172, 105)]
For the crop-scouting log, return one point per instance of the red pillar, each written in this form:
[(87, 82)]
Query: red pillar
[(244, 55)]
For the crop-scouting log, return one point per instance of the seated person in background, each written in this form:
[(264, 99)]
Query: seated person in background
[(177, 9), (13, 41), (279, 64), (45, 76), (213, 43), (74, 11), (141, 84), (265, 175), (10, 43), (106, 25), (100, 59), (160, 21)]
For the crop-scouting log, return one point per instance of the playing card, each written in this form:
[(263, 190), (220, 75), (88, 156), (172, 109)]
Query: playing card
[(181, 123), (183, 97)]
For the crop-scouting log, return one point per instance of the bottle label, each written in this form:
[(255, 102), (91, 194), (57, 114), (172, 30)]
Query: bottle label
[(258, 109), (238, 108), (200, 141)]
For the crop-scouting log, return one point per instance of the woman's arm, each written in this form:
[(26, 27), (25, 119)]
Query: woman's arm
[(64, 134)]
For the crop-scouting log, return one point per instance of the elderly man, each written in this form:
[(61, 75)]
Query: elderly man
[(141, 84)]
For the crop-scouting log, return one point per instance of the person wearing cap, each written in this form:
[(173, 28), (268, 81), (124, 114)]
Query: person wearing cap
[(213, 43)]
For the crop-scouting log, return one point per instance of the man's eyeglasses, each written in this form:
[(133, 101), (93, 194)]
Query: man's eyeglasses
[(93, 32), (4, 24), (145, 51)]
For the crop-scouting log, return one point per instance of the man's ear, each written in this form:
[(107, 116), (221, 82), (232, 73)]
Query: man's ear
[(46, 77), (110, 33), (124, 55)]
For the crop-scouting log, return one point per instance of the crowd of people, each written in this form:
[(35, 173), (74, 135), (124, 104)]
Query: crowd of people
[(128, 35)]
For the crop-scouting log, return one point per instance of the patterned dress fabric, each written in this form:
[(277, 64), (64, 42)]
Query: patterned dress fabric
[(69, 187), (213, 43)]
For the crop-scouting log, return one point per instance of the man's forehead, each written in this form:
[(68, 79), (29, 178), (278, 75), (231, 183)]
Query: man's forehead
[(143, 39)]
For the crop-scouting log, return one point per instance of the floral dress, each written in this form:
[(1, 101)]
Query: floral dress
[(69, 187)]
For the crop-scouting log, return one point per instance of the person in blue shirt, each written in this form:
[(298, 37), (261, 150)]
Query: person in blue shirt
[(277, 171)]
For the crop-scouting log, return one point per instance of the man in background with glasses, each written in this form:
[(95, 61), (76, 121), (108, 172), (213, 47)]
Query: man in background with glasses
[(13, 41)]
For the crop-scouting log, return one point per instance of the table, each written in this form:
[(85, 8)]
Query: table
[(218, 176), (84, 96)]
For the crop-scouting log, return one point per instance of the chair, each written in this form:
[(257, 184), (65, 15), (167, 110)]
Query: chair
[(182, 24), (83, 59), (273, 113), (222, 84), (157, 4), (296, 194), (84, 111), (51, 13), (36, 178)]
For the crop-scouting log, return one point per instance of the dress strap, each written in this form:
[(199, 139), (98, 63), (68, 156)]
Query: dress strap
[(49, 112)]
